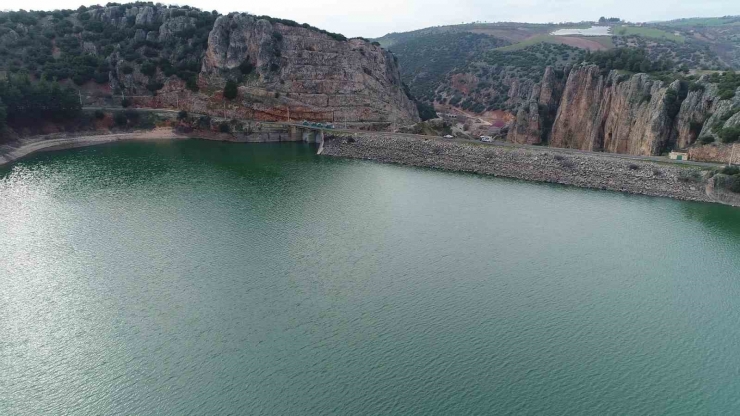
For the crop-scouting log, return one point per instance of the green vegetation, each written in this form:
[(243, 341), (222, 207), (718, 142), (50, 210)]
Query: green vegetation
[(426, 61), (493, 73), (729, 134), (534, 40), (628, 59), (230, 90), (291, 23), (3, 114), (426, 111), (26, 103), (727, 84), (648, 32), (703, 21)]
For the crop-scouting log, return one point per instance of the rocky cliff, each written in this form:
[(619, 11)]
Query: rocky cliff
[(619, 113), (534, 118), (182, 57), (613, 113), (306, 71)]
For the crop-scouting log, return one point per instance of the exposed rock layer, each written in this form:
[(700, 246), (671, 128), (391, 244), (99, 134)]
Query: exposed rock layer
[(618, 113)]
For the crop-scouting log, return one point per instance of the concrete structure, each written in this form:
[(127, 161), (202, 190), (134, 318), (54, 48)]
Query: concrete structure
[(679, 156)]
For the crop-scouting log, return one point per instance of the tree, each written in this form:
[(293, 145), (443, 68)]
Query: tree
[(3, 114), (230, 90), (602, 19)]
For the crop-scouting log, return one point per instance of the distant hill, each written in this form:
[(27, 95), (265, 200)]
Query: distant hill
[(481, 67)]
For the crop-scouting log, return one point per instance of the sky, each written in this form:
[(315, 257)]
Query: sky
[(375, 18)]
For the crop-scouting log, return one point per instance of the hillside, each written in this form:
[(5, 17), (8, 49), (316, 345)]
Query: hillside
[(144, 54), (478, 68)]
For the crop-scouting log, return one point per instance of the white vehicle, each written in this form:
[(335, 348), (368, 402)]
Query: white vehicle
[(447, 136), (486, 139)]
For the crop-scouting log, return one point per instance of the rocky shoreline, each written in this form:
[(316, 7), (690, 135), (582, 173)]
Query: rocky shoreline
[(540, 164)]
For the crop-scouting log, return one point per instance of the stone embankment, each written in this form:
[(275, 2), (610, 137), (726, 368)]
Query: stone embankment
[(541, 164)]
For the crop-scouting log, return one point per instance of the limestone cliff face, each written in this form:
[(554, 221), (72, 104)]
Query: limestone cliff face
[(533, 119), (613, 113), (306, 71), (286, 71)]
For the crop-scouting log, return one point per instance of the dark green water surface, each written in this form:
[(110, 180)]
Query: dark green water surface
[(213, 278)]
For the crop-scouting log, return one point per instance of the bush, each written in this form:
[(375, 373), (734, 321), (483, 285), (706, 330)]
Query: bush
[(729, 134), (125, 103), (148, 69), (192, 84), (224, 128), (706, 139), (126, 69), (120, 119), (230, 90), (99, 114), (182, 115), (246, 67), (633, 166), (730, 170)]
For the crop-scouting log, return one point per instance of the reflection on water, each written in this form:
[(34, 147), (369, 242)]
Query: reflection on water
[(217, 278)]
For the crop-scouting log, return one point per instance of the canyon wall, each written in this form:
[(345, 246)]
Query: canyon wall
[(621, 113), (282, 69), (307, 71)]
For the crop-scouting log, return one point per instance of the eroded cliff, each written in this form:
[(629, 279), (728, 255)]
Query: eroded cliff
[(306, 71), (621, 113)]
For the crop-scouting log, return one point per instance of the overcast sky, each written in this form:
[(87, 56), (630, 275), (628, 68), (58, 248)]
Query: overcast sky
[(374, 18)]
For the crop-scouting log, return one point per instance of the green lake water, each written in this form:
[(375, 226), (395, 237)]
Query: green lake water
[(209, 278)]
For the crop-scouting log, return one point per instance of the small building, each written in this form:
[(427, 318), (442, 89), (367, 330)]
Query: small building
[(679, 155)]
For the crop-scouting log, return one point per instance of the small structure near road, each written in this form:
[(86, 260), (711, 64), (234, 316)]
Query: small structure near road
[(678, 156)]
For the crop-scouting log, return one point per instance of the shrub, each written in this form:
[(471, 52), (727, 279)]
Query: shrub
[(148, 69), (730, 170), (99, 114), (706, 139), (230, 90), (154, 86), (182, 115), (633, 166), (132, 115), (729, 134), (246, 67), (224, 128), (125, 103), (120, 119), (126, 69), (192, 84)]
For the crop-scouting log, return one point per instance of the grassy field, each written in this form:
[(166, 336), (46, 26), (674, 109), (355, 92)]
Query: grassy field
[(703, 21), (647, 32), (529, 42), (605, 41)]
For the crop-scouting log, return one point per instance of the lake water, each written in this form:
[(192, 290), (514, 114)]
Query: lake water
[(214, 278)]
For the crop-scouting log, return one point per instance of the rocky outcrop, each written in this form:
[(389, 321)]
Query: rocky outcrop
[(283, 70), (527, 127), (613, 113), (533, 119), (307, 71)]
